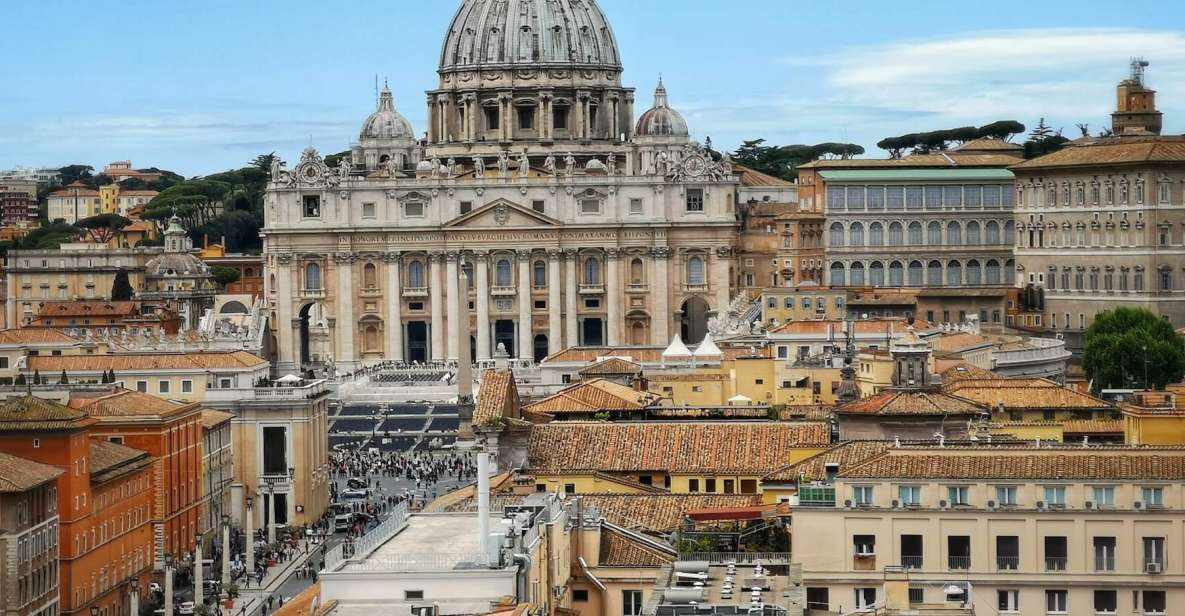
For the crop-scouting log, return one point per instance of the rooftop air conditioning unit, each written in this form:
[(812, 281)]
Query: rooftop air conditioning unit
[(1041, 504), (1154, 568), (991, 505), (896, 504), (847, 504), (943, 504), (1089, 505), (1138, 505)]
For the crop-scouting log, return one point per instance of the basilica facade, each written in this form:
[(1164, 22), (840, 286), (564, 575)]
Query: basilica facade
[(536, 199)]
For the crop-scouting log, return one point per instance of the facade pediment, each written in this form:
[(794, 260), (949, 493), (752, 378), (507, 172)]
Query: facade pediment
[(501, 213)]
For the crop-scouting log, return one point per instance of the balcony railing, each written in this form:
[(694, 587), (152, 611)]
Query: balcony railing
[(816, 496), (1104, 563), (592, 289), (503, 291), (312, 293), (637, 287), (415, 291), (1055, 563), (959, 563), (1007, 563), (911, 562)]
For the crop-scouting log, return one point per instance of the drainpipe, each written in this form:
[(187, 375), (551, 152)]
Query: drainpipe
[(524, 577)]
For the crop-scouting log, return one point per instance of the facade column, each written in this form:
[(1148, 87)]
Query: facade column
[(505, 107), (437, 304), (722, 278), (454, 306), (660, 291), (555, 342), (481, 271), (432, 136), (525, 337), (394, 308), (345, 309), (570, 288), (285, 302), (613, 294)]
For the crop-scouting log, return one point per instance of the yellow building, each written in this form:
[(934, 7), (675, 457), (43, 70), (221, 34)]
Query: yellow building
[(114, 199), (18, 345), (802, 303), (688, 458), (1154, 418), (1027, 400), (73, 271)]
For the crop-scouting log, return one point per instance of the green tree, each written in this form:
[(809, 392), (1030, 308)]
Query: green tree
[(121, 287), (225, 275), (1132, 347), (782, 161), (263, 162), (103, 227), (49, 235), (75, 173), (333, 160)]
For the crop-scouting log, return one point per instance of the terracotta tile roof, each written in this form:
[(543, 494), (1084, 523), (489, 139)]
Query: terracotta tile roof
[(870, 326), (814, 468), (34, 336), (612, 366), (700, 447), (1022, 394), (751, 177), (1021, 464), (659, 513), (19, 474), (650, 355), (621, 548), (593, 397), (497, 399), (212, 418), (128, 403), (958, 342), (83, 308), (988, 144), (147, 361), (963, 371), (630, 483), (32, 413), (1093, 426), (1111, 151), (902, 402), (110, 460), (806, 413)]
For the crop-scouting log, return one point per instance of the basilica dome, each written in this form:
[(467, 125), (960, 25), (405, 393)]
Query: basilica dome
[(518, 33), (385, 122), (660, 120)]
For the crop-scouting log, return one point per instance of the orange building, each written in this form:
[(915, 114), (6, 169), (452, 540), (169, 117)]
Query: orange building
[(104, 503), (250, 268), (172, 433)]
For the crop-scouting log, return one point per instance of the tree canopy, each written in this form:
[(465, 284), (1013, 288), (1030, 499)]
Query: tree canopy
[(49, 235), (223, 205), (121, 287), (225, 275), (103, 227), (924, 143), (782, 160), (1131, 347), (1044, 140)]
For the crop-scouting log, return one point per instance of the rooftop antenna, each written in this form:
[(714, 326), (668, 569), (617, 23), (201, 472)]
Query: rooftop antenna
[(1138, 66), (376, 86)]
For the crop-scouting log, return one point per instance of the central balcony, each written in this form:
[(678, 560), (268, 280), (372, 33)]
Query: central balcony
[(415, 291), (503, 291), (592, 289)]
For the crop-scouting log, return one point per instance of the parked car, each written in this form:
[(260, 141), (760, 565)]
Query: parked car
[(185, 608), (355, 494), (354, 482)]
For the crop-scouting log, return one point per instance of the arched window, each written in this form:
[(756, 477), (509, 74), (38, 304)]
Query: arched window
[(934, 274), (973, 273), (934, 234), (856, 234), (540, 275), (954, 274), (876, 274), (370, 276), (1010, 271), (896, 274), (415, 275), (592, 271), (954, 234), (467, 268), (695, 271), (503, 273), (312, 277), (838, 277), (973, 233), (896, 234), (637, 272), (837, 234), (993, 271), (916, 273), (915, 234), (857, 274), (876, 234), (1009, 233), (992, 233)]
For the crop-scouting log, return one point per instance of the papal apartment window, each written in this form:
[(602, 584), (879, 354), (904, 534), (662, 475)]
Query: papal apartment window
[(368, 210), (312, 206), (695, 200)]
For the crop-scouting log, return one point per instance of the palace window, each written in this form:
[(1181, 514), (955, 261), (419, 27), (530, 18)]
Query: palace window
[(492, 118), (368, 210), (695, 200), (526, 118), (695, 271), (312, 206), (503, 273), (312, 277), (592, 271), (559, 118), (413, 209), (540, 274), (590, 206), (415, 275)]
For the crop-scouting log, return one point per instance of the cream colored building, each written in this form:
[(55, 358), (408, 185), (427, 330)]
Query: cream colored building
[(114, 199), (218, 471), (574, 223), (73, 203), (1027, 531), (74, 271)]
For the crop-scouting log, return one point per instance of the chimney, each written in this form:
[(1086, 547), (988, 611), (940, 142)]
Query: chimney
[(483, 506)]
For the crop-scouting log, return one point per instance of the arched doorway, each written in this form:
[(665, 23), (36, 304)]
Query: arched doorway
[(694, 323), (504, 335), (540, 344), (305, 317), (417, 341)]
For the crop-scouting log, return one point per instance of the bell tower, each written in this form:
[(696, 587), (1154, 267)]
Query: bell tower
[(1135, 110), (911, 360)]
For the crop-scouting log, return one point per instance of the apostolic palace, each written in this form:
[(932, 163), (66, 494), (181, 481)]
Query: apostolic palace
[(574, 221)]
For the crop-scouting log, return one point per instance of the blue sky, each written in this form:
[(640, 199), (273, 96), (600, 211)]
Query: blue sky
[(202, 86)]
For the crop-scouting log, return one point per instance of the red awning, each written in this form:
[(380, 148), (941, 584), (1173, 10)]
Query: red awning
[(731, 513)]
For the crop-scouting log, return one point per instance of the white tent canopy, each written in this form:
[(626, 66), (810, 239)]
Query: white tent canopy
[(291, 378), (676, 349), (740, 399), (708, 348)]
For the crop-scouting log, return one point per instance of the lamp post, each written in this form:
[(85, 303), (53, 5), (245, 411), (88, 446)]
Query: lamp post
[(94, 610), (225, 551), (249, 539), (291, 493), (197, 569), (269, 510), (134, 598), (1145, 347), (168, 585)]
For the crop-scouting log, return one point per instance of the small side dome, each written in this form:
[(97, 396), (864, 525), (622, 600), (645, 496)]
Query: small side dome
[(386, 123), (660, 120)]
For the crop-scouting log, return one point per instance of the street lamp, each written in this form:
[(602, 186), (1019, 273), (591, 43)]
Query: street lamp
[(225, 551), (94, 610), (197, 569), (134, 598), (269, 510), (249, 539), (168, 585)]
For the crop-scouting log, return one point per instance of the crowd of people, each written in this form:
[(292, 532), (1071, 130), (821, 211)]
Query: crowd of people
[(425, 469)]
